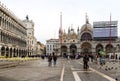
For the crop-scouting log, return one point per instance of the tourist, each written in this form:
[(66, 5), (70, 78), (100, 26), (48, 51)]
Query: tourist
[(85, 61), (54, 58), (49, 60)]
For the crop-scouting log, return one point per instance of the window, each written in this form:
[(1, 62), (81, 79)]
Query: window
[(32, 42), (86, 36)]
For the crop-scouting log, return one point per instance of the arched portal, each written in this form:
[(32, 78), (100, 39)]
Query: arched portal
[(22, 53), (98, 48), (7, 52), (73, 50), (10, 52), (109, 48), (86, 48), (3, 51), (64, 51), (14, 52), (17, 52)]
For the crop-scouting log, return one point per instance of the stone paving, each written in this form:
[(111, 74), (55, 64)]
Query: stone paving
[(111, 68), (39, 70)]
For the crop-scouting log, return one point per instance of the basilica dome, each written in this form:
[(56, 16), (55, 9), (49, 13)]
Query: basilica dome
[(89, 27)]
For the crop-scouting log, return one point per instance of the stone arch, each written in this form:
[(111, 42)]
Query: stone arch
[(109, 48), (14, 52), (64, 50), (17, 52), (73, 50), (11, 52), (3, 51), (22, 53), (25, 53), (86, 48), (7, 52), (98, 48)]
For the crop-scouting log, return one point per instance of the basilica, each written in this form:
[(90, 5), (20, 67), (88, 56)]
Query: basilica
[(89, 40)]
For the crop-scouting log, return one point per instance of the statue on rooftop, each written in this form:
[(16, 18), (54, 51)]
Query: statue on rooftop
[(27, 18)]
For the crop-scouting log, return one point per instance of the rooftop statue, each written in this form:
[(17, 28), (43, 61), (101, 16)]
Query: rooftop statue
[(27, 18)]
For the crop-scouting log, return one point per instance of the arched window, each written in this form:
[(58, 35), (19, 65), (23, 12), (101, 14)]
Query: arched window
[(86, 36)]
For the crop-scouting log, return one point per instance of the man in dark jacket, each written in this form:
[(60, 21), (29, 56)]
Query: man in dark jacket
[(54, 58), (85, 61), (49, 60)]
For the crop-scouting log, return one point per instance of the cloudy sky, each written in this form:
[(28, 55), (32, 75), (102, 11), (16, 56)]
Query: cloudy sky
[(46, 13)]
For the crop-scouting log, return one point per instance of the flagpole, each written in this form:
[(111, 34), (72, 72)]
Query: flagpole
[(110, 30), (60, 32), (86, 27)]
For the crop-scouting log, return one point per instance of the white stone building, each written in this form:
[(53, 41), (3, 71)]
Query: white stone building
[(51, 46), (12, 34), (31, 40)]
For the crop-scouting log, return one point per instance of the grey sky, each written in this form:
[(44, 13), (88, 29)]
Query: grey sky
[(46, 13)]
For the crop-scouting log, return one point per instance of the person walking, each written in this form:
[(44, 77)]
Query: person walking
[(54, 58), (85, 61), (49, 60)]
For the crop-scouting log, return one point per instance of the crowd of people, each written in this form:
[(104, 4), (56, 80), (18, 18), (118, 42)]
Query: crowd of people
[(52, 58)]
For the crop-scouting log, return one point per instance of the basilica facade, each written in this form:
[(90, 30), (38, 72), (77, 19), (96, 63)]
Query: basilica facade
[(83, 41)]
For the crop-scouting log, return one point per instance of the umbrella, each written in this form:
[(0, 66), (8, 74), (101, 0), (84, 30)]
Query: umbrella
[(102, 53)]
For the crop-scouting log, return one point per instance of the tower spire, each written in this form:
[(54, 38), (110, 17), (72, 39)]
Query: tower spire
[(86, 17)]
